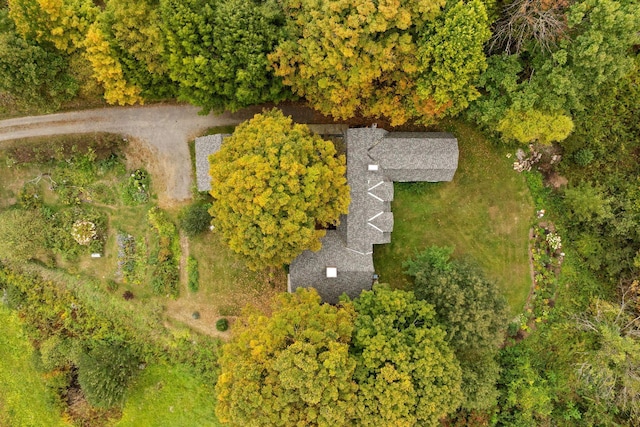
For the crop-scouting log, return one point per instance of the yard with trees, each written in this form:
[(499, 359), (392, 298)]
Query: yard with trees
[(528, 320)]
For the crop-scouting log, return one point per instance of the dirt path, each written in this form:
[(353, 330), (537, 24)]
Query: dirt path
[(164, 128)]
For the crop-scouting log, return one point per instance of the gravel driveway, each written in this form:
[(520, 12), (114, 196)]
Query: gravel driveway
[(164, 128)]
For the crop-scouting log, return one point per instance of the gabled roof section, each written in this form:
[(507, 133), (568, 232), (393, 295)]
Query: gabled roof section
[(364, 205), (417, 156), (206, 146), (354, 270)]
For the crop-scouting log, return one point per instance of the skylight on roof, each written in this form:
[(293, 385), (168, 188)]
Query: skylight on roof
[(332, 272), (373, 167)]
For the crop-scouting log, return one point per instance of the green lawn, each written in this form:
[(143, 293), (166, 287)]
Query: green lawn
[(485, 213), (226, 284), (24, 399), (169, 396)]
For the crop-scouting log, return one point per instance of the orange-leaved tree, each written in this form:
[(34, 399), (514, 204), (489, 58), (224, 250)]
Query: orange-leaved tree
[(275, 185)]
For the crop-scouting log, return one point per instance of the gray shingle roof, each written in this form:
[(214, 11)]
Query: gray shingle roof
[(393, 157), (205, 146), (417, 156), (363, 206), (355, 271)]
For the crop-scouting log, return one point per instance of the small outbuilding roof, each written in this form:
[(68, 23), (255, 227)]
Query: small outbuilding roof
[(206, 146)]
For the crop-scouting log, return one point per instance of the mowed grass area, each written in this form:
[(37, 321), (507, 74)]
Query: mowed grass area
[(226, 285), (24, 398), (169, 396), (485, 213)]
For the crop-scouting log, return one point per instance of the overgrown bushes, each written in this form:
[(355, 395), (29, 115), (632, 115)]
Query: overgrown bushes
[(52, 149), (165, 276), (103, 348), (192, 274), (136, 189), (195, 218), (104, 371)]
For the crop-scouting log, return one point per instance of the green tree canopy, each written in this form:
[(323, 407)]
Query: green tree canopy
[(451, 56), (406, 371), (218, 51), (292, 368), (22, 235), (384, 58), (104, 371), (133, 30), (561, 76), (273, 182), (471, 310), (527, 397), (609, 371), (34, 74)]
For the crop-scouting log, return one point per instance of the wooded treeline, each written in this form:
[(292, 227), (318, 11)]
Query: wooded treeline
[(529, 65)]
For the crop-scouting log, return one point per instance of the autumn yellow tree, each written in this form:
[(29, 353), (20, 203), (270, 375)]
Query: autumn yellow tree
[(535, 126), (107, 69), (61, 22), (292, 368), (275, 185), (133, 29), (383, 58)]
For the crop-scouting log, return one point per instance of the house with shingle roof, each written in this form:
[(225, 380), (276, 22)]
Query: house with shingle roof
[(375, 160)]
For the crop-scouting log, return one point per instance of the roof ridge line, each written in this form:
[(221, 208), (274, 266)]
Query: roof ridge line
[(375, 216), (380, 183), (368, 223), (375, 197)]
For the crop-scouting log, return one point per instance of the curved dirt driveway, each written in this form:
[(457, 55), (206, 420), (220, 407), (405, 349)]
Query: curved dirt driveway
[(165, 129)]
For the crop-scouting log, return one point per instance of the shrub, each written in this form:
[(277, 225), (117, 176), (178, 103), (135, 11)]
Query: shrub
[(136, 189), (55, 352), (165, 278), (112, 285), (30, 196), (104, 373), (166, 274), (193, 274), (159, 220), (583, 157), (222, 324), (195, 218), (60, 236), (83, 232), (22, 235), (127, 295)]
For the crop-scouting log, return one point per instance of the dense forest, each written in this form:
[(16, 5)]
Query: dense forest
[(559, 76)]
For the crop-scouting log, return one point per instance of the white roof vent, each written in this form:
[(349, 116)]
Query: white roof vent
[(373, 167), (332, 272)]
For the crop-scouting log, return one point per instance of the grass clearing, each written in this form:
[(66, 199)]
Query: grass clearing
[(173, 396), (24, 398), (485, 213), (225, 286)]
